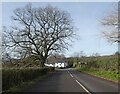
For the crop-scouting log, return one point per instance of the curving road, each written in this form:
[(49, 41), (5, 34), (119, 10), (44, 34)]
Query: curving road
[(69, 80)]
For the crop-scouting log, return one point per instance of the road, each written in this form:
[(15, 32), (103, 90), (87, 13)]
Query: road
[(69, 80)]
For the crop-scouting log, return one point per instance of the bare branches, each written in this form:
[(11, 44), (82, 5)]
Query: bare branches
[(41, 31), (111, 23)]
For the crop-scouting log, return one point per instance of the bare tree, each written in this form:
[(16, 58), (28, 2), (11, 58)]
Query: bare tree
[(41, 31), (111, 23)]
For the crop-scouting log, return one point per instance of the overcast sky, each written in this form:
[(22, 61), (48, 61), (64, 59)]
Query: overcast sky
[(86, 18)]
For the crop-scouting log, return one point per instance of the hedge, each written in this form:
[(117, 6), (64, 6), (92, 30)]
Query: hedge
[(14, 77)]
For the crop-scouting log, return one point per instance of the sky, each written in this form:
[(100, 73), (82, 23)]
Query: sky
[(86, 19)]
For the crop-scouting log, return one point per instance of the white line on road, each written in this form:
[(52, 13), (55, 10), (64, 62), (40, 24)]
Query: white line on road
[(71, 75), (79, 83), (83, 87), (68, 72)]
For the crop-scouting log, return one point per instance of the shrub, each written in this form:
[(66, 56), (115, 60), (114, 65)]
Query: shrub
[(14, 77)]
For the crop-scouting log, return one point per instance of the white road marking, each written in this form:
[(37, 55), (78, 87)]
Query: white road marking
[(71, 75), (68, 72), (83, 87), (79, 83)]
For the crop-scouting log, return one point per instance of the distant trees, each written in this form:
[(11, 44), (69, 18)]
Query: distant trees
[(56, 57), (95, 54), (111, 22), (39, 31)]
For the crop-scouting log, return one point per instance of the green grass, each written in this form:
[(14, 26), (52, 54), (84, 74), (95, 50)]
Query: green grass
[(110, 75)]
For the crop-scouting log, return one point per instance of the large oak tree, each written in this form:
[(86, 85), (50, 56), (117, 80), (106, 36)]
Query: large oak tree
[(40, 31)]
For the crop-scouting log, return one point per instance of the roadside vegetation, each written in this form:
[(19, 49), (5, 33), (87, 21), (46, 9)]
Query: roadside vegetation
[(101, 66), (12, 77), (109, 75)]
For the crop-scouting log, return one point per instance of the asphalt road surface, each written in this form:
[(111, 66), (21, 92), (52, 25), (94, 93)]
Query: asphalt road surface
[(69, 80)]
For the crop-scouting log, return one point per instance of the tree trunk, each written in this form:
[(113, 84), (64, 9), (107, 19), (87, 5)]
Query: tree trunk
[(43, 61)]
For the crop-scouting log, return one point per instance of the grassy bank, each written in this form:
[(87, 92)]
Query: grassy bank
[(100, 66), (15, 77), (110, 75)]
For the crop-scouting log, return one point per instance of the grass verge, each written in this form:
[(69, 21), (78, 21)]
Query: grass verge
[(109, 75)]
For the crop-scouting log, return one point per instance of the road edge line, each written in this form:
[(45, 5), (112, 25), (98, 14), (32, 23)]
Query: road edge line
[(80, 84), (83, 86)]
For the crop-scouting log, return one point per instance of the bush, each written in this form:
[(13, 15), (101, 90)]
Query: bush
[(14, 77), (106, 63)]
